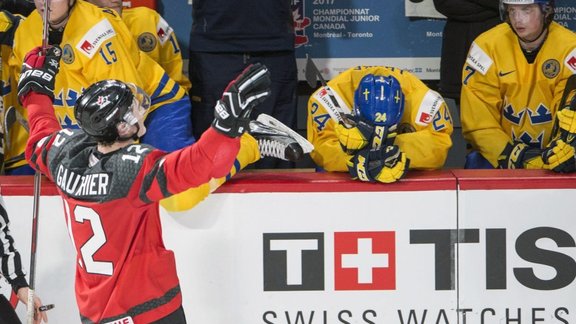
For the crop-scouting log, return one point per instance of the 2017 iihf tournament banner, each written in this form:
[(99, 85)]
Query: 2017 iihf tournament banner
[(342, 34)]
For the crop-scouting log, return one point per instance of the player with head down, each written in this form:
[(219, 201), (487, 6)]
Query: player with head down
[(397, 123), (111, 185), (513, 86)]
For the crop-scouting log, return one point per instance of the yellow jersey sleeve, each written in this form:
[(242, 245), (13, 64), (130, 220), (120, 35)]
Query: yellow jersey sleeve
[(157, 39)]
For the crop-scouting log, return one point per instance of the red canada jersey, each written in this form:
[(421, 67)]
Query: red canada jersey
[(123, 271)]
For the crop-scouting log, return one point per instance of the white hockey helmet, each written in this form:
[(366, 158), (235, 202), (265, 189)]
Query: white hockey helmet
[(547, 7)]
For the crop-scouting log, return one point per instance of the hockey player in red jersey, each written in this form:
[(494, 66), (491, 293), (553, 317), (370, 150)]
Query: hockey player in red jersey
[(111, 185)]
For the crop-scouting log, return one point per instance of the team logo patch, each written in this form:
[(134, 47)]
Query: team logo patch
[(551, 68), (571, 61), (95, 37), (146, 42), (430, 105), (163, 30), (478, 59), (102, 101), (67, 54)]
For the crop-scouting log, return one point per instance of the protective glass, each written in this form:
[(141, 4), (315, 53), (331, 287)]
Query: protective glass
[(522, 13), (139, 106)]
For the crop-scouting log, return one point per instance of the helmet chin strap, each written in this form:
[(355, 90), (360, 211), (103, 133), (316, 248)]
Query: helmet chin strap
[(59, 21), (528, 41), (134, 136)]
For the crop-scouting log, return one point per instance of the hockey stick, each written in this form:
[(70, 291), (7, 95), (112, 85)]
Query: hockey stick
[(45, 16), (568, 96), (330, 100), (31, 308)]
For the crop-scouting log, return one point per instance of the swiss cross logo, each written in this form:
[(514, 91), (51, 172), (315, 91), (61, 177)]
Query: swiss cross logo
[(364, 261)]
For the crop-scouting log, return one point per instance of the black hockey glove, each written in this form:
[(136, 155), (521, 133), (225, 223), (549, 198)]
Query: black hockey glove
[(232, 111), (567, 122), (386, 164), (518, 155), (560, 156), (355, 137), (39, 72), (361, 133)]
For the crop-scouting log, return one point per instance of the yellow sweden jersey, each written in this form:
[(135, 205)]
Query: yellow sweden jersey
[(96, 45), (424, 130), (13, 121), (157, 39), (9, 115), (504, 98)]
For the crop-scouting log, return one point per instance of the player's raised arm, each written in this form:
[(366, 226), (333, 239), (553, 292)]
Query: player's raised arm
[(36, 92)]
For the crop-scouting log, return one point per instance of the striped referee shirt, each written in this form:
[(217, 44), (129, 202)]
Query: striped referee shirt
[(11, 263)]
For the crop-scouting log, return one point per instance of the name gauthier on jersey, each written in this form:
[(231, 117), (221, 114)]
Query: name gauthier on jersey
[(96, 184)]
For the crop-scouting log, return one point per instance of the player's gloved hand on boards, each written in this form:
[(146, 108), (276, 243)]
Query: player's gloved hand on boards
[(38, 72), (232, 111), (385, 134), (518, 155), (567, 122), (387, 164), (559, 157), (355, 137)]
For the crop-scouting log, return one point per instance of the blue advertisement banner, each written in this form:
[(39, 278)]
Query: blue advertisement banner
[(339, 34)]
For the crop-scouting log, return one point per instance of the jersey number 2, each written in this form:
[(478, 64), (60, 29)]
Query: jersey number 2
[(94, 243)]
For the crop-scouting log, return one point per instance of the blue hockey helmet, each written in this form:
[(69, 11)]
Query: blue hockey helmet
[(547, 7), (379, 100)]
